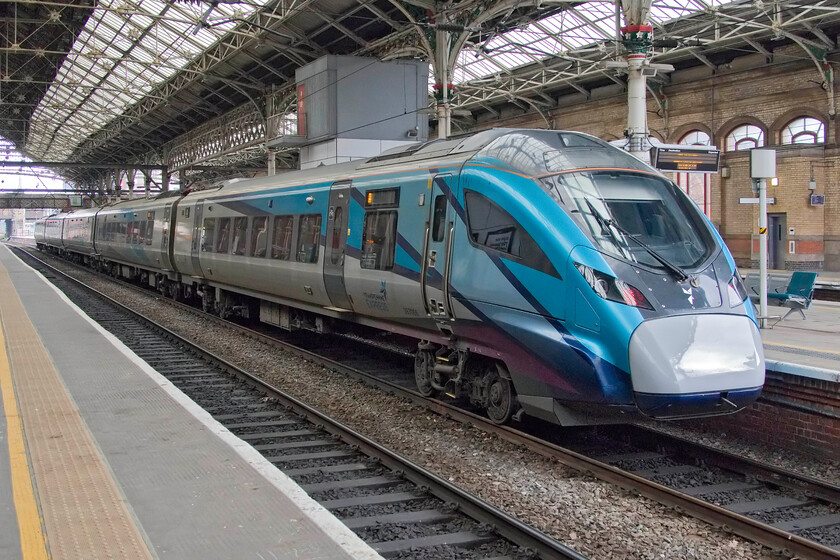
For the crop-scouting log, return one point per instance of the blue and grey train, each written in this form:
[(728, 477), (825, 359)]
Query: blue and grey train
[(540, 272)]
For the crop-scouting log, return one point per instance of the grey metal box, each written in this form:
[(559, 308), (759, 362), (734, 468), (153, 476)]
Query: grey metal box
[(356, 97)]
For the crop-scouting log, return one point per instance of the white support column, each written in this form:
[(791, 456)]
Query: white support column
[(762, 252), (272, 162), (762, 167), (636, 103), (442, 71)]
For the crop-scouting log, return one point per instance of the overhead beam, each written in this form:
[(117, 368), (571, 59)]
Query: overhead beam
[(79, 165)]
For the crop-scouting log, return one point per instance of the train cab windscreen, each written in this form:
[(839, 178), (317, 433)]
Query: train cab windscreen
[(628, 211), (640, 218)]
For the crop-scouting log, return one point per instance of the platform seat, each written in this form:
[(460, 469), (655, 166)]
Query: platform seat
[(795, 292)]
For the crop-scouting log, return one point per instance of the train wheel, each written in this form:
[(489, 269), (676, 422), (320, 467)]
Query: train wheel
[(424, 363), (501, 402)]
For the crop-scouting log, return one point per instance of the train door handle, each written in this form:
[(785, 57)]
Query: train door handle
[(432, 258)]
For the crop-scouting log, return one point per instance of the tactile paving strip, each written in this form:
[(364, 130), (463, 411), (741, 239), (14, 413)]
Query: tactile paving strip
[(84, 513)]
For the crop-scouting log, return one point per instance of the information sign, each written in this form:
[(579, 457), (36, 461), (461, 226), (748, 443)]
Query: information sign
[(688, 159)]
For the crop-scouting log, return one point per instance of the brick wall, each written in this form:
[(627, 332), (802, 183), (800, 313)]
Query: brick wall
[(750, 89), (796, 413)]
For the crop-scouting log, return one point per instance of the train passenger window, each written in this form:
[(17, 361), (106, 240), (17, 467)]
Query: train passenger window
[(240, 235), (208, 234), (256, 247), (281, 244), (309, 238), (494, 228), (150, 228), (223, 238), (379, 240), (439, 218), (140, 236), (129, 232), (337, 230)]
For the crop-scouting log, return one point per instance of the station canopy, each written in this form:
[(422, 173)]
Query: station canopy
[(117, 79)]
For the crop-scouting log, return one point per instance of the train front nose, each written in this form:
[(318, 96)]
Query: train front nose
[(696, 365)]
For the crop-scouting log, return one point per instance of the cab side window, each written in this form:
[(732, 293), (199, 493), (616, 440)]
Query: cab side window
[(492, 227), (439, 220)]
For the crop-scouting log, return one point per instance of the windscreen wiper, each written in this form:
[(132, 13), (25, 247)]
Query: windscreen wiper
[(607, 223)]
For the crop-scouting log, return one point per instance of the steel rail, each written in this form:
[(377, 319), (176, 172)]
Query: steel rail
[(505, 525), (735, 523), (744, 465)]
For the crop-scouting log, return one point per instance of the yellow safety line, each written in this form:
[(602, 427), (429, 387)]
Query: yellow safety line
[(32, 542), (800, 347)]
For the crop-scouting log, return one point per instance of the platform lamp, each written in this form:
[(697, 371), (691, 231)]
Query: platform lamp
[(762, 167)]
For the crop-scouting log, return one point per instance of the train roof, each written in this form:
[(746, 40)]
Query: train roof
[(449, 151), (443, 152)]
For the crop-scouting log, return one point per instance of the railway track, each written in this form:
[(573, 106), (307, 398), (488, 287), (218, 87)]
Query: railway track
[(400, 509), (767, 505)]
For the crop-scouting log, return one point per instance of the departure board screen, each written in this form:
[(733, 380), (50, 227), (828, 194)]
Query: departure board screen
[(686, 160)]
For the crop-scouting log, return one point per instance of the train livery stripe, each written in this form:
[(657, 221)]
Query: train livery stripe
[(518, 285), (406, 246), (357, 196)]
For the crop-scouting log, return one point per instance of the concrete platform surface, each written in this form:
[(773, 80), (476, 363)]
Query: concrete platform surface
[(118, 463), (809, 347)]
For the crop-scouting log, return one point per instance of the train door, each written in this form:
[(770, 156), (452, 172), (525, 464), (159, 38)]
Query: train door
[(336, 244), (197, 238), (166, 236), (437, 250)]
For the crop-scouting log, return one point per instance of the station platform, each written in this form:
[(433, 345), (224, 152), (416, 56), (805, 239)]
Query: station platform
[(807, 347), (101, 457)]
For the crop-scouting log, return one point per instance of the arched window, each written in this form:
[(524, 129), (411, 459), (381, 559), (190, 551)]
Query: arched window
[(697, 185), (804, 130), (744, 137), (696, 138)]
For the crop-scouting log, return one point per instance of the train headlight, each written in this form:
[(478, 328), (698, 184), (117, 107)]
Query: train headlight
[(736, 290), (613, 289)]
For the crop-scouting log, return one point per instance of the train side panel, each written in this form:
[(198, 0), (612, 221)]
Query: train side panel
[(509, 270), (78, 234), (53, 232), (39, 231), (136, 233), (285, 231), (388, 215)]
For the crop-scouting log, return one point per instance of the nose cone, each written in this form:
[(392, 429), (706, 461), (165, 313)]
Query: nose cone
[(706, 358)]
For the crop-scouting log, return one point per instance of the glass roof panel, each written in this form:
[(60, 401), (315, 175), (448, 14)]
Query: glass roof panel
[(124, 51), (583, 26)]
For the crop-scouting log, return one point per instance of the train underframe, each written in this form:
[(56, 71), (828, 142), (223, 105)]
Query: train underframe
[(439, 369)]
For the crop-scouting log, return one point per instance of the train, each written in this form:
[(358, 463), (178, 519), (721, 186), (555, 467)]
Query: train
[(539, 272)]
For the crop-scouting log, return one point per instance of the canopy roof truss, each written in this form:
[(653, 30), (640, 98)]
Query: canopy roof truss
[(126, 77)]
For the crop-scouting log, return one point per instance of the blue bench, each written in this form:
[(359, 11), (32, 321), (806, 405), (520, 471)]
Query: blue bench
[(795, 293)]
